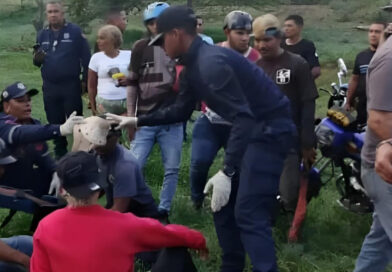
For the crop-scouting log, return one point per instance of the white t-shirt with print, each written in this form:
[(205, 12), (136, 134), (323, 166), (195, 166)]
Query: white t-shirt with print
[(102, 64)]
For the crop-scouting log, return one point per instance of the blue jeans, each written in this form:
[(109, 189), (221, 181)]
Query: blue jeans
[(207, 139), (376, 251), (169, 138), (21, 243)]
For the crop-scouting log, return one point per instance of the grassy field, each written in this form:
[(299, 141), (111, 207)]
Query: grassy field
[(331, 236)]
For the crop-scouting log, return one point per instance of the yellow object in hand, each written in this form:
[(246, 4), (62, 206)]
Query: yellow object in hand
[(118, 76)]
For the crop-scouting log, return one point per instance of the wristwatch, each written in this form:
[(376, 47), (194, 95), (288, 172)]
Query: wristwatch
[(228, 171), (387, 141)]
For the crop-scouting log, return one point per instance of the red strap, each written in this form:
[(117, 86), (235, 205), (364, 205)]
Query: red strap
[(176, 85)]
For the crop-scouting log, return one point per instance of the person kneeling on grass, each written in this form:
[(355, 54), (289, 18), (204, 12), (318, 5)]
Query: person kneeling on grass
[(86, 237), (26, 138), (15, 251)]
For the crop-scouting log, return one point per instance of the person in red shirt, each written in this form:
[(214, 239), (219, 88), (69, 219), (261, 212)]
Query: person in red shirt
[(86, 237)]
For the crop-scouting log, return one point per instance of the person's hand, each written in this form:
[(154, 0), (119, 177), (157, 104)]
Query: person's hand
[(55, 185), (67, 127), (383, 164), (123, 81), (308, 157), (122, 121), (26, 262), (221, 188), (131, 133)]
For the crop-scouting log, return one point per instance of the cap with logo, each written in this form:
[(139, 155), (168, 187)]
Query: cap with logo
[(238, 19), (15, 90), (266, 26), (174, 17), (80, 175)]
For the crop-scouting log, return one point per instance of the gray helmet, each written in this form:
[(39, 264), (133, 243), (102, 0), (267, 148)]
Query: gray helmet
[(238, 19)]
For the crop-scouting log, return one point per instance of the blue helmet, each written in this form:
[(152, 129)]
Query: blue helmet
[(154, 10)]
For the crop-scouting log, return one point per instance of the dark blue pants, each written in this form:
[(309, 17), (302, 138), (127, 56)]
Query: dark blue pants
[(60, 100), (256, 199), (228, 233), (207, 139)]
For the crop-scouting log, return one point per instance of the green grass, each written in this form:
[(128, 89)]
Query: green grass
[(331, 237)]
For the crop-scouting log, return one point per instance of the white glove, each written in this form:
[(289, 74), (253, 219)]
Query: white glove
[(122, 121), (221, 188), (55, 185), (67, 127)]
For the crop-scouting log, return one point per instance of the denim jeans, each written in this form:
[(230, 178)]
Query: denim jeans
[(376, 251), (207, 139), (169, 138), (21, 243)]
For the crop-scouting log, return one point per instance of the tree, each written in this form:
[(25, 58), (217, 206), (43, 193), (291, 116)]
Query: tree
[(38, 21), (83, 11), (189, 3)]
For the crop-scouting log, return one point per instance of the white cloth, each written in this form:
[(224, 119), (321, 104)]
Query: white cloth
[(101, 64)]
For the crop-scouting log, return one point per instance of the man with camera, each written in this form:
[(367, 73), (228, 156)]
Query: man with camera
[(61, 51)]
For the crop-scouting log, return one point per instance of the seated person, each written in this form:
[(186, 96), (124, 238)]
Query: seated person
[(26, 137), (127, 191), (15, 251), (86, 237)]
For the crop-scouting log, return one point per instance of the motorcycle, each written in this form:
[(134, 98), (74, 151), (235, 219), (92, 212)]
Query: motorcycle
[(340, 141)]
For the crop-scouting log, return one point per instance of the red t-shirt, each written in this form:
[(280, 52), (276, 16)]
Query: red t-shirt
[(98, 240)]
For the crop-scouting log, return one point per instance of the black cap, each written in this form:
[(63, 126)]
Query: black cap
[(174, 17), (80, 175), (18, 89), (5, 154)]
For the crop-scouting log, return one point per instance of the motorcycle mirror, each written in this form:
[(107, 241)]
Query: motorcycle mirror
[(342, 66)]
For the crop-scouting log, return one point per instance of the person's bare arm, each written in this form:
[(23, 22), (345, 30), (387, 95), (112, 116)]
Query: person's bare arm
[(352, 87), (380, 122), (121, 204), (383, 164), (316, 72), (8, 254), (92, 89)]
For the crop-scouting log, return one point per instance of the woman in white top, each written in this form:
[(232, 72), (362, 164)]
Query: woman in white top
[(104, 93)]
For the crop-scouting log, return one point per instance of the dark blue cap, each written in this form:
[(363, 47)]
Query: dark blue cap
[(18, 89), (80, 175)]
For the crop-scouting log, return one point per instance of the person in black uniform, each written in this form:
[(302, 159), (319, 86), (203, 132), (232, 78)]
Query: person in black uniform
[(259, 140), (25, 137), (61, 51), (294, 43), (357, 84)]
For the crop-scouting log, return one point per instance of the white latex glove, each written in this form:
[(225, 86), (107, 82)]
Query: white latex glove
[(221, 188), (55, 185), (122, 121), (67, 127)]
